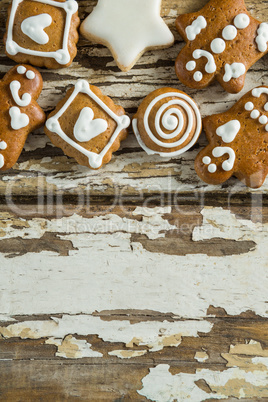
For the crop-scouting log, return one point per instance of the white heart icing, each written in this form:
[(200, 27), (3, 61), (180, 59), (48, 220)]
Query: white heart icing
[(229, 131), (18, 119), (86, 128), (34, 27)]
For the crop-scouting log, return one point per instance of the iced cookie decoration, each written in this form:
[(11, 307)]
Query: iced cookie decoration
[(167, 123), (19, 112), (87, 125), (223, 42), (128, 28), (238, 142), (42, 32)]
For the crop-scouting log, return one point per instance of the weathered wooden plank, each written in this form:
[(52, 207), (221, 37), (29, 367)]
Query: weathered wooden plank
[(234, 350)]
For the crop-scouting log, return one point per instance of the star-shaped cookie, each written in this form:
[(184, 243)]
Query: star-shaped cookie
[(223, 42), (128, 28), (238, 142)]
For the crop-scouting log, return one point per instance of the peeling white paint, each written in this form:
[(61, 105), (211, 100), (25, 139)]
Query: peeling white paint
[(111, 271), (161, 386), (151, 225), (72, 348), (127, 354), (201, 357), (152, 334)]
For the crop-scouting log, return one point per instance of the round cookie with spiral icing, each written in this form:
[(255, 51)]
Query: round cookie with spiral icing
[(167, 123)]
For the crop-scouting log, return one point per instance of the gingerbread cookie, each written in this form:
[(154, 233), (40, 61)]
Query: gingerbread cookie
[(238, 142), (128, 28), (19, 112), (42, 32), (223, 42), (168, 123), (87, 125)]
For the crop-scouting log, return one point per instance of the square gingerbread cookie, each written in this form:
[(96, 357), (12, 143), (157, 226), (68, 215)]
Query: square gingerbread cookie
[(42, 32)]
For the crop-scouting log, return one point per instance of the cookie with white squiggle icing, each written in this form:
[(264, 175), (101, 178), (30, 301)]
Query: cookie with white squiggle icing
[(42, 32), (87, 125), (223, 42), (238, 142), (167, 123), (19, 111)]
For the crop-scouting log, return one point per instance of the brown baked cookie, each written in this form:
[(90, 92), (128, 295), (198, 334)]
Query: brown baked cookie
[(87, 125), (167, 123), (42, 32), (19, 112), (238, 142), (223, 42)]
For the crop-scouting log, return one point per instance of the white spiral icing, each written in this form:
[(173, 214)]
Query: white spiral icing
[(171, 118)]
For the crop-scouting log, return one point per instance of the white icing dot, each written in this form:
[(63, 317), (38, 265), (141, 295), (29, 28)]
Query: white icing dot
[(266, 107), (229, 32), (212, 168), (30, 75), (190, 66), (254, 114), (3, 145), (217, 45), (206, 160), (249, 106), (241, 21), (2, 161), (263, 119), (198, 76), (266, 127), (21, 70)]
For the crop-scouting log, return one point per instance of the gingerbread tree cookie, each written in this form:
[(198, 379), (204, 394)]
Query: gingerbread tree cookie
[(223, 42), (238, 142), (19, 112)]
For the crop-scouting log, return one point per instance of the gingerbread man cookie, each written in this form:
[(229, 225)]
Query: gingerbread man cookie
[(87, 125), (128, 28), (238, 142), (167, 123), (19, 112), (223, 42), (42, 32)]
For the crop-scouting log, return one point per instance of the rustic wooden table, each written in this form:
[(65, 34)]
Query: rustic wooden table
[(136, 282)]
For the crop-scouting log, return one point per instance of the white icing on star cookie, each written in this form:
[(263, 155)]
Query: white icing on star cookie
[(128, 28), (95, 160), (62, 56)]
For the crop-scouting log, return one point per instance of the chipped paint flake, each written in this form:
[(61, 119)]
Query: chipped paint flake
[(201, 357), (161, 386), (152, 334), (72, 348), (127, 354)]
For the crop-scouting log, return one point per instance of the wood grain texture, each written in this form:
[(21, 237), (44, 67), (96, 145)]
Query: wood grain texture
[(136, 282)]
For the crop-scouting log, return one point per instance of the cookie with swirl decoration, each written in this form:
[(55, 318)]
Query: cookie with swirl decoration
[(223, 42), (238, 142), (167, 123)]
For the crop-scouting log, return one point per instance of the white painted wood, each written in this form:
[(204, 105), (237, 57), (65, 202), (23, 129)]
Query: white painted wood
[(109, 270)]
